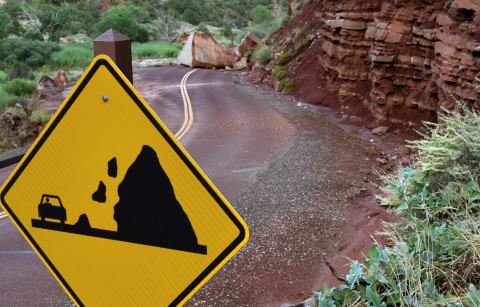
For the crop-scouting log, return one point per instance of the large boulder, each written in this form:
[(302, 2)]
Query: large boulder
[(60, 79), (248, 44), (183, 38), (45, 82), (201, 50)]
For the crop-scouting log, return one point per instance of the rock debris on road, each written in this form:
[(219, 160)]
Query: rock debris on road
[(288, 171), (296, 210)]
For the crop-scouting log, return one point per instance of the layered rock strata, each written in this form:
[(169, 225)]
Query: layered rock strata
[(402, 59)]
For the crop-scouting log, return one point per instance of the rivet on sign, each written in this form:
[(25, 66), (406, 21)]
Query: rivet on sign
[(105, 98)]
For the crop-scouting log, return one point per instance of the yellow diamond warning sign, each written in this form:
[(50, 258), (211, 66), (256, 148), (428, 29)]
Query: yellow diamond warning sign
[(113, 204)]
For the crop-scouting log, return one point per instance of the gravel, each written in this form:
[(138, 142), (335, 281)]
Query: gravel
[(296, 211)]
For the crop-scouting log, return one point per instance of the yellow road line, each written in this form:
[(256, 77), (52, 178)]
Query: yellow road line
[(187, 105), (188, 114)]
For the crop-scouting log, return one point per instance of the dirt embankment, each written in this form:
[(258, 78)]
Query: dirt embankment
[(394, 61)]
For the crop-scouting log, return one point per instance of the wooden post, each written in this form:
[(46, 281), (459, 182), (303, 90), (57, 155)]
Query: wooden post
[(118, 47)]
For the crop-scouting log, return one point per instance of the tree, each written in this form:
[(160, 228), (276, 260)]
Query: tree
[(192, 17), (164, 26), (8, 25), (124, 20), (260, 14), (228, 32)]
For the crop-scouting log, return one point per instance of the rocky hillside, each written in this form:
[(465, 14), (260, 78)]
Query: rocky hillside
[(398, 59)]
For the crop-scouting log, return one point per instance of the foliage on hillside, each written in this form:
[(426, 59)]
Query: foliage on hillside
[(434, 258), (39, 37)]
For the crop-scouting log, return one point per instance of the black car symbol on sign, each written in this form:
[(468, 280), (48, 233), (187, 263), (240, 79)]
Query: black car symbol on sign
[(51, 207)]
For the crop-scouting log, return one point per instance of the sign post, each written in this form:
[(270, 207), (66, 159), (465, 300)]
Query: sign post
[(117, 47)]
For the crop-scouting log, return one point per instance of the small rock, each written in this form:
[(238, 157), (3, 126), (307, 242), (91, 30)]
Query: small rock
[(380, 130), (228, 68), (355, 120), (381, 160), (241, 64), (299, 104), (45, 82)]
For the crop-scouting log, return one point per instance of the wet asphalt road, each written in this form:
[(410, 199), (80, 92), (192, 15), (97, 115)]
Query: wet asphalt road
[(234, 137)]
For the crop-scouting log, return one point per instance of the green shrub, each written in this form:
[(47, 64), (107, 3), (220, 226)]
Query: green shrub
[(267, 27), (33, 34), (13, 8), (285, 58), (286, 85), (6, 100), (70, 17), (3, 76), (71, 56), (260, 14), (18, 70), (434, 259), (301, 45), (192, 16), (203, 28), (15, 112), (30, 52), (40, 117), (125, 20), (8, 24), (155, 50), (262, 55), (20, 87), (280, 73)]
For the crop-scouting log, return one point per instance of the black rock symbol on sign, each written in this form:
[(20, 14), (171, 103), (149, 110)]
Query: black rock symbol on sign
[(147, 211)]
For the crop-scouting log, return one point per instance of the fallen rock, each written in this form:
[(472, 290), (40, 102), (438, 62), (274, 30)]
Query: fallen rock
[(183, 38), (242, 64), (45, 82), (356, 120), (201, 50), (248, 44), (380, 130), (60, 79)]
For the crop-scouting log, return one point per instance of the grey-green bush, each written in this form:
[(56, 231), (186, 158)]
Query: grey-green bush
[(434, 256), (20, 87), (262, 55), (6, 100)]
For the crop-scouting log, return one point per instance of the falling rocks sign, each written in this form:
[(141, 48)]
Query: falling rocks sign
[(105, 184)]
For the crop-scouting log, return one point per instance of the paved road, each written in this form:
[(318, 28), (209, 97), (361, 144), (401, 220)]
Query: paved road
[(233, 137)]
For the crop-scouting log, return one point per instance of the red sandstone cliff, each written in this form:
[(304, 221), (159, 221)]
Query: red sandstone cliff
[(399, 59)]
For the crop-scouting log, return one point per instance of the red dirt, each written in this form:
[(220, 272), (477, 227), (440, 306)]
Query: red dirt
[(366, 215)]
